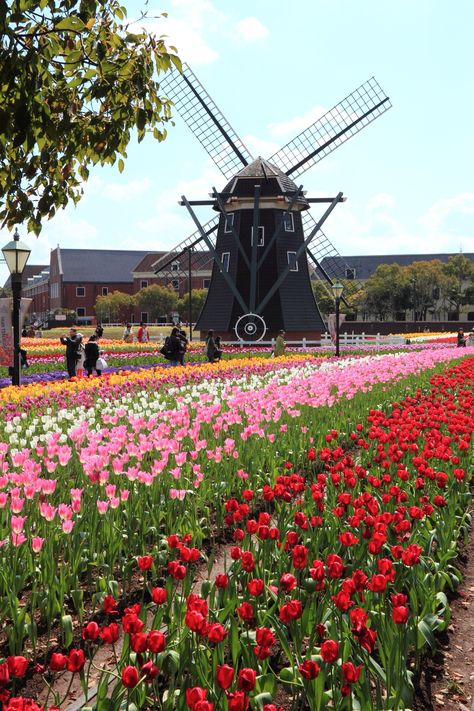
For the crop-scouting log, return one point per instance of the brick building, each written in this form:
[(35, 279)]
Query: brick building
[(76, 277)]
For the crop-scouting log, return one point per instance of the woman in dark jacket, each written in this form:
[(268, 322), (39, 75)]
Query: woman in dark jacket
[(92, 354), (210, 346), (175, 347)]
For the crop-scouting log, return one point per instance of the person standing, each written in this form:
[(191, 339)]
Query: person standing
[(143, 335), (175, 348), (461, 341), (470, 338), (128, 333), (184, 342), (210, 346), (99, 331), (81, 356), (279, 349), (92, 354), (218, 353), (72, 351)]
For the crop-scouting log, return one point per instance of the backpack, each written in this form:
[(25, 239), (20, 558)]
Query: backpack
[(166, 349)]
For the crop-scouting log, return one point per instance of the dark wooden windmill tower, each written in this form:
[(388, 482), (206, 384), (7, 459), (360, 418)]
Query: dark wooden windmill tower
[(264, 233)]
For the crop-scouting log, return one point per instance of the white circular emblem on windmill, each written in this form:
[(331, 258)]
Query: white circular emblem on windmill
[(250, 327)]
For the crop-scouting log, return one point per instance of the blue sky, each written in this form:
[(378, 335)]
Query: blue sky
[(271, 67)]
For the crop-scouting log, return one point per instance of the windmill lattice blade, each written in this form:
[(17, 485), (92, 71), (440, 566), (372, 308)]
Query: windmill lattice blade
[(327, 256), (208, 124), (172, 267), (344, 120)]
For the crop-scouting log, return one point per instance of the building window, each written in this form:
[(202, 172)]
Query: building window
[(175, 284), (175, 266), (144, 316), (206, 283), (261, 237), (288, 222), (54, 290), (143, 283), (80, 311), (225, 259), (229, 222), (292, 261), (80, 290), (350, 273), (105, 290)]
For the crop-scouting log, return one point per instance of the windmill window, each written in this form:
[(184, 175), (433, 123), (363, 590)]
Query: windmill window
[(143, 283), (175, 284), (206, 283), (292, 261), (175, 267), (288, 222), (350, 273), (261, 237), (225, 259), (229, 222)]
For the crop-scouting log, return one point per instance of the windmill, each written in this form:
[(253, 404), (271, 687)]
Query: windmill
[(264, 236)]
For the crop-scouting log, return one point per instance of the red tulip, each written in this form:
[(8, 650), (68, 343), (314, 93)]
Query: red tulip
[(246, 679), (308, 669), (224, 676), (130, 677), (330, 650)]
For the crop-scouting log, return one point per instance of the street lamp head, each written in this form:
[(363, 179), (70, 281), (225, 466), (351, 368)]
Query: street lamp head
[(16, 254), (337, 290)]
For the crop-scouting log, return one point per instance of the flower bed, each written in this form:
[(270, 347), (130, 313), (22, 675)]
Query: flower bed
[(344, 521)]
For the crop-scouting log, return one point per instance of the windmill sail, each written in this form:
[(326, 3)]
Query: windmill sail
[(347, 118), (329, 264), (205, 120), (172, 267)]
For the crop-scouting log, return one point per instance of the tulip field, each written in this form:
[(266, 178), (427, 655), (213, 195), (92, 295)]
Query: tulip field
[(266, 534)]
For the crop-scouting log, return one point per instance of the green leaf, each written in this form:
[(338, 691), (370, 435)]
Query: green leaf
[(73, 24), (68, 634), (121, 165)]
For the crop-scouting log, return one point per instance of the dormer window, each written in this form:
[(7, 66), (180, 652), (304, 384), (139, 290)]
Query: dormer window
[(350, 273), (288, 222), (261, 237), (292, 261), (229, 222)]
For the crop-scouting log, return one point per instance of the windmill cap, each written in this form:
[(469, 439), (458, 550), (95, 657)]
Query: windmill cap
[(272, 179)]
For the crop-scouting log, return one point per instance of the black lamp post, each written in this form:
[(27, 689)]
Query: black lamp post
[(16, 255), (337, 290)]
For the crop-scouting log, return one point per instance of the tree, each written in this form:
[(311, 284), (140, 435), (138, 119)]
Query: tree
[(323, 296), (387, 291), (116, 307), (459, 273), (157, 301), (74, 82), (427, 282), (198, 297)]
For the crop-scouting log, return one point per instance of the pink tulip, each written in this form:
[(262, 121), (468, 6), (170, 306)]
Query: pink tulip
[(37, 543)]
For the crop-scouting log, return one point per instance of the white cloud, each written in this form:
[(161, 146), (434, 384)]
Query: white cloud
[(446, 226), (296, 124), (381, 201), (171, 224), (453, 214), (121, 192), (260, 147), (187, 28), (250, 29)]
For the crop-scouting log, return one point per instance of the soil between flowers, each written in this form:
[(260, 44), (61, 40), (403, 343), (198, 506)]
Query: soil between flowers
[(446, 682)]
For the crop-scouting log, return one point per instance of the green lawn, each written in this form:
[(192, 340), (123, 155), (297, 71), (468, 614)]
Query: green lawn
[(115, 332)]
